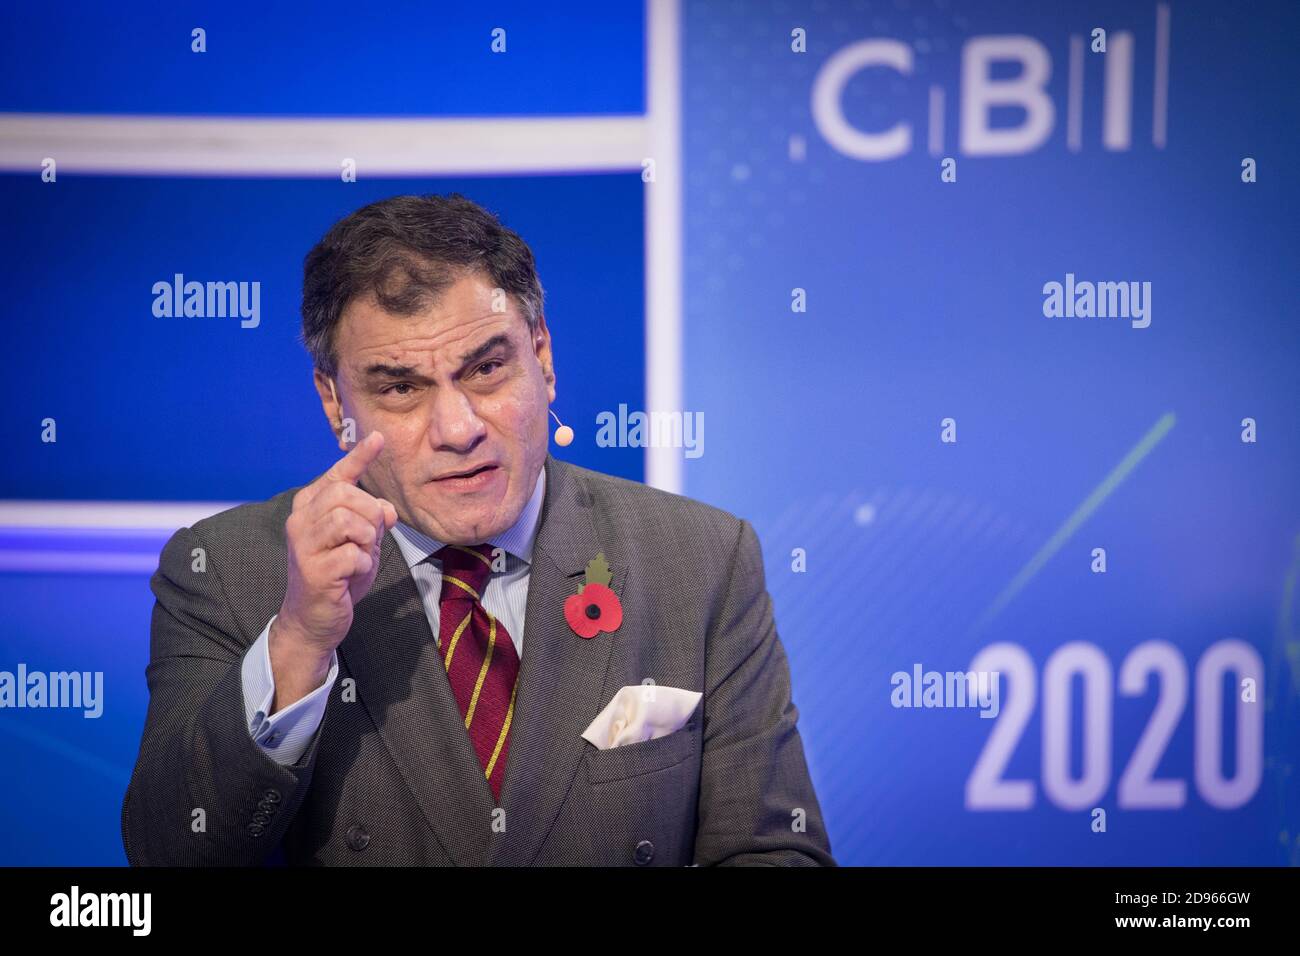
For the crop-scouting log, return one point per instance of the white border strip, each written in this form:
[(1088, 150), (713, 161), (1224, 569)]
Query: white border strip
[(663, 232), (76, 562), (184, 145), (142, 515)]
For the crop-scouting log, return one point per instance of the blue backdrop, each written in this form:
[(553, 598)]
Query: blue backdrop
[(925, 302), (930, 461)]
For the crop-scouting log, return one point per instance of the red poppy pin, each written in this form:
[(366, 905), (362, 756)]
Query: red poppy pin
[(595, 607)]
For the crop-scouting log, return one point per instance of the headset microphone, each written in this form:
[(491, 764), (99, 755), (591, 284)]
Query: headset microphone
[(563, 434)]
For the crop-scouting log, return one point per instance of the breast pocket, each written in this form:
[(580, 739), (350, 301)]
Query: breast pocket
[(644, 757)]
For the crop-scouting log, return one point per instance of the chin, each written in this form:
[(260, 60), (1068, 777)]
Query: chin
[(463, 532)]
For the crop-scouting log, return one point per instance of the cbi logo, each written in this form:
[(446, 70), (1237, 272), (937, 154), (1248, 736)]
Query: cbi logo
[(981, 93)]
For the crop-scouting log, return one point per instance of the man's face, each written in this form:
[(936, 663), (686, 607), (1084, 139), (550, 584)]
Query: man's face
[(453, 389)]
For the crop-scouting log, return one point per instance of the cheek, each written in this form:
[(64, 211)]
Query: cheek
[(399, 455), (386, 482), (516, 414)]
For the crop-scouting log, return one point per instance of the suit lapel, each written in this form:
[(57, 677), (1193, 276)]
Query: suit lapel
[(561, 675), (402, 683)]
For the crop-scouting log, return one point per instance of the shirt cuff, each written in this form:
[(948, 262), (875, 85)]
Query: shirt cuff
[(285, 735)]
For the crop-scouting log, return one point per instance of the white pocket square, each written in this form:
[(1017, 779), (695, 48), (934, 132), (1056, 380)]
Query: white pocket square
[(641, 712)]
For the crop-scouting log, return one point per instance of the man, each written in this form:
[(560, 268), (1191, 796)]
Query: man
[(390, 666)]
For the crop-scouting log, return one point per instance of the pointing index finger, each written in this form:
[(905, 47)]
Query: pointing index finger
[(353, 465)]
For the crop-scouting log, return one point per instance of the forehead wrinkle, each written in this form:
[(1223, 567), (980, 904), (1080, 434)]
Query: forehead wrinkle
[(413, 352)]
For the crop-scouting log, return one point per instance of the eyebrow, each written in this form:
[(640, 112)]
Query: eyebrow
[(389, 371), (500, 339), (379, 369)]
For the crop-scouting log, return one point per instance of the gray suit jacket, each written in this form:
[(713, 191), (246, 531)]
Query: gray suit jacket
[(391, 777)]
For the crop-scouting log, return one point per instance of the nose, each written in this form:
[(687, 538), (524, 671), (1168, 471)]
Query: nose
[(454, 425)]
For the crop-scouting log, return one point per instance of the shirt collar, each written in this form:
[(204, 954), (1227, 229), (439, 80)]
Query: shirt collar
[(518, 539)]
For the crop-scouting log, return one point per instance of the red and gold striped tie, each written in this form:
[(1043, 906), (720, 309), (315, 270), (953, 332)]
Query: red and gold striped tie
[(481, 661)]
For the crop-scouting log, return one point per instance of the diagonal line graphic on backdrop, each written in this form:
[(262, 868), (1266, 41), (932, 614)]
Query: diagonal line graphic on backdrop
[(1077, 518)]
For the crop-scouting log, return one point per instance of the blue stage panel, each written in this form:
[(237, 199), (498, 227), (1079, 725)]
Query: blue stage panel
[(150, 408), (400, 59), (924, 301)]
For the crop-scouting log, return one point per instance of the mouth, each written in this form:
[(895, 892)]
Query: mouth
[(469, 479)]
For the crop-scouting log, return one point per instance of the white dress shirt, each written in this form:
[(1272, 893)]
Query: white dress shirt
[(286, 734)]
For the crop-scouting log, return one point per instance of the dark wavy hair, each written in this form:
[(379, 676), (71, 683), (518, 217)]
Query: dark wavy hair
[(408, 250)]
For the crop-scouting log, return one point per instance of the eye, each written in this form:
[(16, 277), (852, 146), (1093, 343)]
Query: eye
[(485, 367), (392, 389)]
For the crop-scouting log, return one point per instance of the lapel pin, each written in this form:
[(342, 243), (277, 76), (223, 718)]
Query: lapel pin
[(595, 607)]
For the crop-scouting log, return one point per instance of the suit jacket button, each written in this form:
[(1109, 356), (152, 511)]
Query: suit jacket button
[(358, 838), (271, 795), (256, 829), (645, 852)]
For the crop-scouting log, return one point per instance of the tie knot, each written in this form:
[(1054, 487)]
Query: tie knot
[(465, 570)]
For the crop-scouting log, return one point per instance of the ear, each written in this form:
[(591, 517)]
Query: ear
[(332, 404), (542, 348)]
